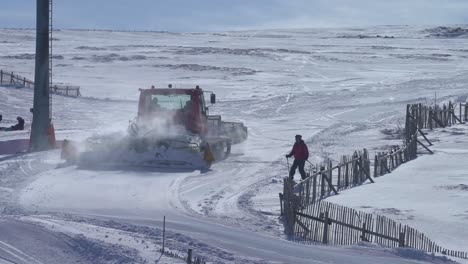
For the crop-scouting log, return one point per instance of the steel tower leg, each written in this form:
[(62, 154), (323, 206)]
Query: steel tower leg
[(39, 139)]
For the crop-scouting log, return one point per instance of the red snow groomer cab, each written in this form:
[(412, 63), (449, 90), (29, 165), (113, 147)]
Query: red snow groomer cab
[(181, 106), (186, 108)]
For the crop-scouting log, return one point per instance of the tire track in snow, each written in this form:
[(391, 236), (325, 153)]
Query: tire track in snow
[(7, 260), (24, 168), (227, 199), (18, 253)]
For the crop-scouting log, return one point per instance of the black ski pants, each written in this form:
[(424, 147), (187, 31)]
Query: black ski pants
[(300, 164)]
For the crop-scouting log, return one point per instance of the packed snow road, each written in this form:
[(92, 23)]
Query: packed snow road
[(334, 88)]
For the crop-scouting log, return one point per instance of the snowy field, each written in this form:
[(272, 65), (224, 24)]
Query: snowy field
[(339, 88)]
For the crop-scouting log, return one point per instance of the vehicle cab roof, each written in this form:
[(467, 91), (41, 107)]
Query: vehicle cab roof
[(168, 91)]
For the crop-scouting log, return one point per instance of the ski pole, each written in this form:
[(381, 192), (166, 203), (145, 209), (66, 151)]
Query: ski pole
[(311, 163), (287, 161)]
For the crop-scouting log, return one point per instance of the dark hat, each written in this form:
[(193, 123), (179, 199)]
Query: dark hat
[(299, 136)]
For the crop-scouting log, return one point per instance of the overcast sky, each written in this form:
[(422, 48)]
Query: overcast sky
[(219, 15)]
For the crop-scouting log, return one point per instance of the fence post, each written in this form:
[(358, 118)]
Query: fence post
[(164, 234), (355, 167), (466, 112), (361, 167), (290, 205), (401, 239), (400, 160), (382, 163), (346, 174), (452, 113), (330, 175), (407, 123), (461, 112), (314, 188), (450, 117), (421, 118), (189, 257), (416, 146), (339, 176), (281, 203), (444, 115), (392, 157), (322, 186), (325, 228), (363, 234), (375, 166), (1, 78), (441, 116), (430, 118)]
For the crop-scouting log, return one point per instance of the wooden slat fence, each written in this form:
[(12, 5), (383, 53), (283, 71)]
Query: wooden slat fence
[(11, 79), (463, 110), (386, 162), (418, 117), (352, 171), (330, 223), (424, 116), (305, 213), (189, 259)]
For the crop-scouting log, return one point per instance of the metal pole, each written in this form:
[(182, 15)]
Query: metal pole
[(189, 257), (51, 30), (164, 233), (39, 140)]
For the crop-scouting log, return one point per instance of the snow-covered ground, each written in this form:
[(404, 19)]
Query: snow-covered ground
[(430, 192), (339, 88)]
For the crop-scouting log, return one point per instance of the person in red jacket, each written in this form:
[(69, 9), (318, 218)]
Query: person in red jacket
[(301, 154)]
